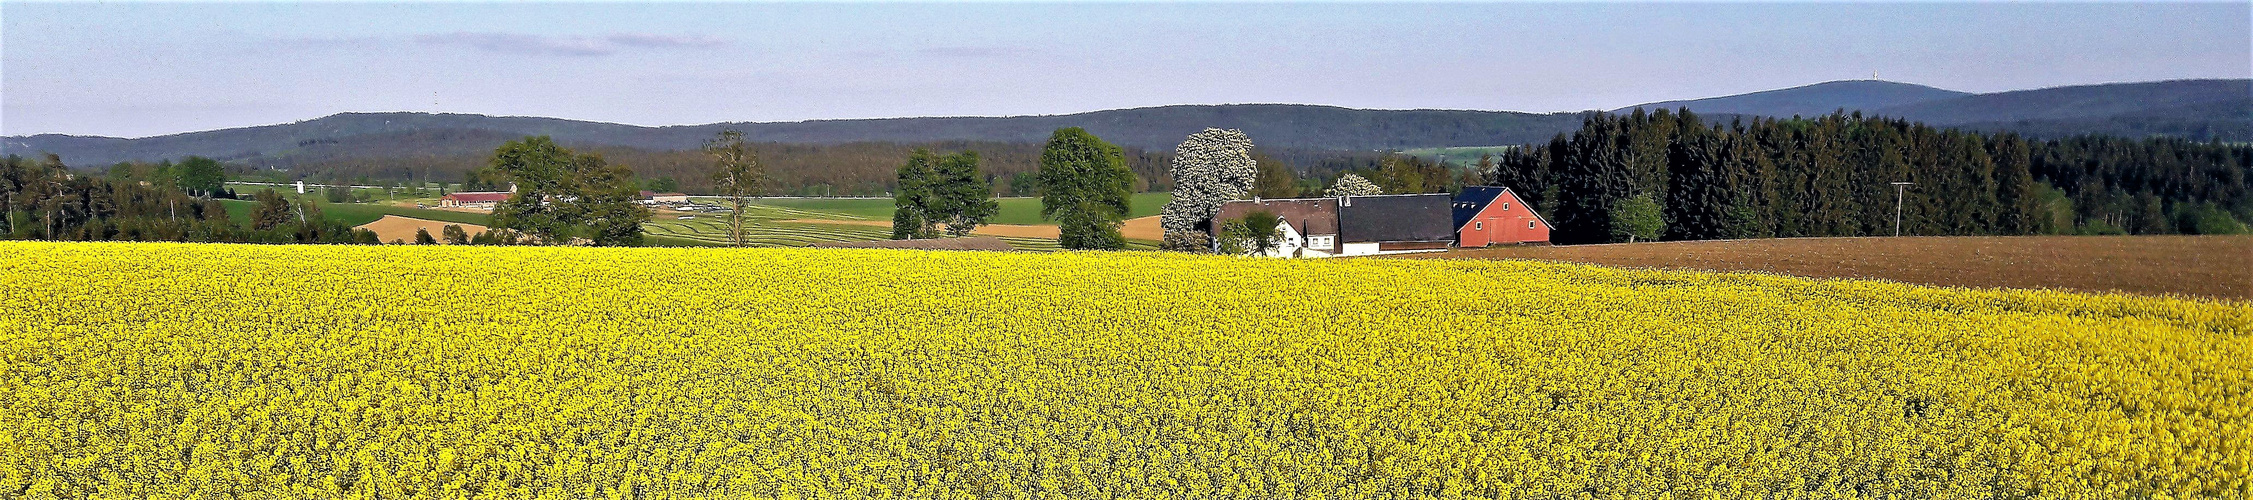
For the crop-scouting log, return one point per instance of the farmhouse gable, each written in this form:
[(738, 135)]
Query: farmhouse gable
[(1308, 223)]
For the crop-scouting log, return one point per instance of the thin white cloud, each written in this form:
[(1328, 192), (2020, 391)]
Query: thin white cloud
[(338, 42), (974, 52), (512, 43), (665, 41), (569, 46)]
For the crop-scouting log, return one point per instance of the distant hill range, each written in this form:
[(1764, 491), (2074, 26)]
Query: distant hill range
[(1287, 126), (2195, 109), (1811, 100)]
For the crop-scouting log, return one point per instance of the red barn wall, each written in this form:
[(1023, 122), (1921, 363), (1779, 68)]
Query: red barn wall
[(1506, 221)]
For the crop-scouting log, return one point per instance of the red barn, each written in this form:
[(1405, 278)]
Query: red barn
[(1493, 215)]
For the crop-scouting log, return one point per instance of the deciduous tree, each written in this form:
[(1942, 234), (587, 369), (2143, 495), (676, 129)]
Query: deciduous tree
[(1354, 185), (964, 199), (561, 195), (1275, 179), (737, 175), (1085, 187), (1255, 233), (202, 177), (913, 199), (1209, 169), (1637, 218)]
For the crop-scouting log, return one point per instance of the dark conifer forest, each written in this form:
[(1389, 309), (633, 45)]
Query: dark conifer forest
[(1832, 176)]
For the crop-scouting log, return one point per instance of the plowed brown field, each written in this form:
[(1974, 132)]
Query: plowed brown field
[(2210, 266), (393, 227)]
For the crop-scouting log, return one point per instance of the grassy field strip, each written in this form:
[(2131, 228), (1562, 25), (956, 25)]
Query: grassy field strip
[(781, 212), (762, 224), (1013, 210)]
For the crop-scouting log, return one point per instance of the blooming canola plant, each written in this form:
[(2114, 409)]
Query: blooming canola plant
[(201, 370)]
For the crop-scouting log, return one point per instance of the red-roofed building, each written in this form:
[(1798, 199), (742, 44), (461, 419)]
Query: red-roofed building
[(484, 200)]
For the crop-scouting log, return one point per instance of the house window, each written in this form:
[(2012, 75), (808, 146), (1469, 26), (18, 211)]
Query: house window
[(1318, 241)]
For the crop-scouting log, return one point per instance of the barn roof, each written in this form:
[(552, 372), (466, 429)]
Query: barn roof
[(1307, 215), (1401, 217), (1476, 198), (1472, 200)]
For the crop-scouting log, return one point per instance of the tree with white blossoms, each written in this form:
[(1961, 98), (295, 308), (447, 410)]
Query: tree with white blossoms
[(1354, 185), (1210, 168)]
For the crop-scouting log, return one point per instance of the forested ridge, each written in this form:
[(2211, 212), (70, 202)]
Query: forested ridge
[(344, 135), (1832, 175)]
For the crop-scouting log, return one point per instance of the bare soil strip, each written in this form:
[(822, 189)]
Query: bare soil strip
[(2207, 266), (393, 227)]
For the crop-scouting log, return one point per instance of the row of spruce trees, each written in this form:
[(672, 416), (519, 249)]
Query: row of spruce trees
[(1832, 176)]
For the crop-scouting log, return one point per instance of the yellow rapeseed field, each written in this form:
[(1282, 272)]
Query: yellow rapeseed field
[(239, 371)]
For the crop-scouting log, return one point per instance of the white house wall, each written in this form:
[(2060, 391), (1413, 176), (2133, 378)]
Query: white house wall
[(1290, 241)]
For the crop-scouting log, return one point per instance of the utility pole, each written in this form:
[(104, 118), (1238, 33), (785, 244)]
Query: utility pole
[(1899, 188)]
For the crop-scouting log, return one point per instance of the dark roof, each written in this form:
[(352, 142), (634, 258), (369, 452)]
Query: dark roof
[(986, 243), (1472, 200), (1402, 217), (1306, 215)]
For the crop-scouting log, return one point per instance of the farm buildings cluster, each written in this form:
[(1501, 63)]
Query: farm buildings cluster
[(1388, 224), (486, 200)]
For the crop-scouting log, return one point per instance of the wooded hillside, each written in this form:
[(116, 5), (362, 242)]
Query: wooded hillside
[(1832, 175)]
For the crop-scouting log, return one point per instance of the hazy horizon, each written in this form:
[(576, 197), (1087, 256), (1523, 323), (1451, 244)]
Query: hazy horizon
[(136, 70)]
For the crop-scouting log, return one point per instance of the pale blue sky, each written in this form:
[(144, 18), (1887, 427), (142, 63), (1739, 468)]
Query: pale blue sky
[(134, 69)]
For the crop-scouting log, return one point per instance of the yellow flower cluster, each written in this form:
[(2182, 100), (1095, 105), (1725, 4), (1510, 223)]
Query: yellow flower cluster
[(241, 371)]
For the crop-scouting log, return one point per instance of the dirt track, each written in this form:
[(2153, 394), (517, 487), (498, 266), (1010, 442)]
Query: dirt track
[(2210, 266)]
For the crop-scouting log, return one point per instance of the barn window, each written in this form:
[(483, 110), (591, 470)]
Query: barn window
[(1478, 226), (1505, 206), (1529, 224)]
